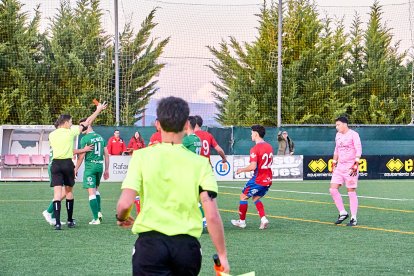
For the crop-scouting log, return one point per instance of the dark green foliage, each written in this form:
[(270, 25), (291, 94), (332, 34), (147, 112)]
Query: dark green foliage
[(326, 72), (20, 58), (138, 66), (46, 74)]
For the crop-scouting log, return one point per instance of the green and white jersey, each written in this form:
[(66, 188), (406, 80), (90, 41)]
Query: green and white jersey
[(193, 143), (50, 157), (97, 154), (49, 165)]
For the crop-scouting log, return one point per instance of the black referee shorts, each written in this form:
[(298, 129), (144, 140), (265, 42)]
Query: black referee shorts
[(159, 254), (62, 172)]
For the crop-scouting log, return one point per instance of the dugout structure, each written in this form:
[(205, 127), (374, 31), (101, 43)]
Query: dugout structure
[(24, 152)]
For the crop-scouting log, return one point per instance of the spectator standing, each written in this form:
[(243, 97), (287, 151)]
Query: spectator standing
[(286, 145), (136, 142), (156, 137), (116, 145)]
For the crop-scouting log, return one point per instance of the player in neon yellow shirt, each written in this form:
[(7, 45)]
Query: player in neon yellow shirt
[(171, 181), (61, 141)]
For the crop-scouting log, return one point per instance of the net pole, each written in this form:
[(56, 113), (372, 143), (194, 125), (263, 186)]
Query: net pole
[(412, 58), (412, 94), (279, 65), (116, 64)]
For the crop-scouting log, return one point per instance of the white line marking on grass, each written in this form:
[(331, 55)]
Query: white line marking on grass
[(329, 203), (327, 194), (42, 184), (326, 223)]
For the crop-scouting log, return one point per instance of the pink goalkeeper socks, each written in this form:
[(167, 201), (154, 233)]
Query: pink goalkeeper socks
[(337, 198), (353, 202)]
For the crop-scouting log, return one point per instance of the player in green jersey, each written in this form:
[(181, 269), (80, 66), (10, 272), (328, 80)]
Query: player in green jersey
[(191, 141), (94, 167)]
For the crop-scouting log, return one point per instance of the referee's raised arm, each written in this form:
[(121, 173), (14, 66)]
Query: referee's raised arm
[(90, 119)]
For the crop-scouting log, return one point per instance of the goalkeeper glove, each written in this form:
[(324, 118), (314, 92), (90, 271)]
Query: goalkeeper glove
[(334, 164), (354, 169)]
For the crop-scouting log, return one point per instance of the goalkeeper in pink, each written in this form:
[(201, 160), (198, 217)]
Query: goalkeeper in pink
[(345, 164)]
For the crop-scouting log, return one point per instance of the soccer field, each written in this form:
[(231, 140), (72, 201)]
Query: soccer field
[(301, 238)]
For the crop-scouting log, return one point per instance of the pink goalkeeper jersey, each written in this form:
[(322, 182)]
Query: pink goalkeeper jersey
[(348, 146)]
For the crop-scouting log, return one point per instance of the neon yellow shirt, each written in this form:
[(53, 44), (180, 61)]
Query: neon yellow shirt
[(167, 177), (61, 141)]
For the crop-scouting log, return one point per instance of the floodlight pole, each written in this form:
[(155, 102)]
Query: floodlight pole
[(279, 65), (116, 65)]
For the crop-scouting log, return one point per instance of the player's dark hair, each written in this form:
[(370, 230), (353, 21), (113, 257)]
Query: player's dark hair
[(342, 119), (63, 119), (259, 129), (56, 124), (199, 120), (172, 113), (84, 127), (192, 121)]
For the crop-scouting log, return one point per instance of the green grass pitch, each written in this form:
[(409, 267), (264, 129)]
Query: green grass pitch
[(301, 238)]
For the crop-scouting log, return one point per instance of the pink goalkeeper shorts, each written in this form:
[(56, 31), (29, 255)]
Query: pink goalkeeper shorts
[(341, 176)]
